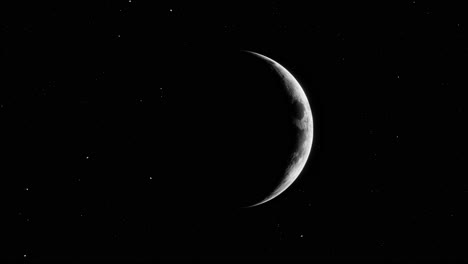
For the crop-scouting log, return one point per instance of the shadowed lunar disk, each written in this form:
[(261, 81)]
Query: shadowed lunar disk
[(243, 126)]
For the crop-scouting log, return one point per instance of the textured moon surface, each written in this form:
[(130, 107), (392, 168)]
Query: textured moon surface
[(305, 125)]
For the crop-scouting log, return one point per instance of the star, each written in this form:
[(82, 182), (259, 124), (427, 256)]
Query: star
[(87, 157), (170, 10), (150, 178), (24, 255), (27, 189)]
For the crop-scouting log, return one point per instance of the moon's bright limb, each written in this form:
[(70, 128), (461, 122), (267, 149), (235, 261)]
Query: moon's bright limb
[(300, 156)]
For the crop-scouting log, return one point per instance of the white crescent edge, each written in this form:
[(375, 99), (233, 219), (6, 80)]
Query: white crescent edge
[(306, 123)]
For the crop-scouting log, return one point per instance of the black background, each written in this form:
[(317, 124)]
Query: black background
[(91, 107)]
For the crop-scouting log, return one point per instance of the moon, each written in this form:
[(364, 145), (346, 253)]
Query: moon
[(242, 130), (305, 125)]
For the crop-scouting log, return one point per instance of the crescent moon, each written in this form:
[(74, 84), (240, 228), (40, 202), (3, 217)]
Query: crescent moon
[(301, 155)]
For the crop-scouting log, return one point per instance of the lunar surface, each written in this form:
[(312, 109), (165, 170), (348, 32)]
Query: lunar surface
[(241, 133), (305, 124)]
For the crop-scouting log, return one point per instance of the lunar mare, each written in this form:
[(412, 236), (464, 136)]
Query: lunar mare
[(305, 125)]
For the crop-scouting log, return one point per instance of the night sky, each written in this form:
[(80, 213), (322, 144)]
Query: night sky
[(93, 168)]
